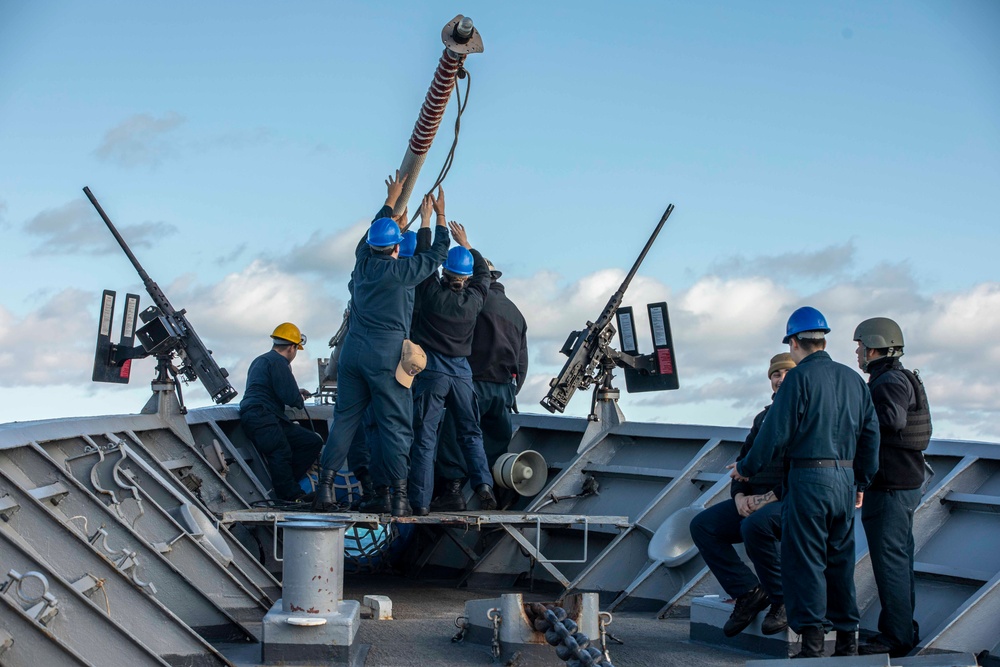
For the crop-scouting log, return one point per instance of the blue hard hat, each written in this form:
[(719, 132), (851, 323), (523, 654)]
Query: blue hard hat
[(805, 318), (459, 261), (383, 233), (408, 245)]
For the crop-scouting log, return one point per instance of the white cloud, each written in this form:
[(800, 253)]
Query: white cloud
[(76, 228), (725, 329), (54, 344), (325, 254), (139, 140)]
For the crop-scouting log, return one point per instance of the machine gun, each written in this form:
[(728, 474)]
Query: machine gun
[(592, 359), (166, 332)]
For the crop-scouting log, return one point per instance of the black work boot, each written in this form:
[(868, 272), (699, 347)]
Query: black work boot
[(326, 499), (746, 609), (379, 503), (847, 643), (367, 488), (486, 499), (776, 620), (400, 504), (813, 643), (451, 500)]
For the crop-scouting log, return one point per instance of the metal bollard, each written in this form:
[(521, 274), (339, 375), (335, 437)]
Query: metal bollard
[(313, 581)]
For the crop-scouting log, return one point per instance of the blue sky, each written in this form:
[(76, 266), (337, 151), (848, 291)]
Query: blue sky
[(842, 154)]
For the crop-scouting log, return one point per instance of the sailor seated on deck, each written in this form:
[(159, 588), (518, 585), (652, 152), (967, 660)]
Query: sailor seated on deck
[(753, 517), (288, 449)]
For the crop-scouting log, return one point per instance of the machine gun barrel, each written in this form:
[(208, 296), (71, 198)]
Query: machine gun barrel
[(175, 334), (586, 348), (155, 293)]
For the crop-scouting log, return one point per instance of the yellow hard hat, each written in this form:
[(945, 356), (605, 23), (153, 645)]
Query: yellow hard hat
[(286, 332)]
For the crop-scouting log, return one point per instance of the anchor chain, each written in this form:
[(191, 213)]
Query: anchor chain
[(572, 646)]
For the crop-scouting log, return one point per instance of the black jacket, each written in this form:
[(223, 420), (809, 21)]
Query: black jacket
[(443, 320), (893, 397), (768, 479), (500, 342)]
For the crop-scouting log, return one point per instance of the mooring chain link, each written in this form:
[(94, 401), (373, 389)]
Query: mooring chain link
[(493, 615), (572, 646), (462, 623)]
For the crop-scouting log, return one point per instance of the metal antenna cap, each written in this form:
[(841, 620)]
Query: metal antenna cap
[(460, 36)]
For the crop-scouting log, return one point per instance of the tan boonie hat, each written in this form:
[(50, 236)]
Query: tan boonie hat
[(412, 360), (780, 362)]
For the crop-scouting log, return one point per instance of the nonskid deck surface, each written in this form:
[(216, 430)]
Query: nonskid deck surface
[(424, 623)]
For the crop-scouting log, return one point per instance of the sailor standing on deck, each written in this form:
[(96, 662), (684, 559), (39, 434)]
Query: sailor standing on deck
[(366, 439), (904, 420), (823, 422), (447, 308), (378, 361), (287, 448), (499, 363)]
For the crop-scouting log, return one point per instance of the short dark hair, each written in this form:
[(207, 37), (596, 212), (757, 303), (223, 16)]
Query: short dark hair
[(811, 344), (388, 250)]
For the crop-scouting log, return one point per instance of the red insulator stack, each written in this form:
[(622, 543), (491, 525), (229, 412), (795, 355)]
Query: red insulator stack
[(435, 102)]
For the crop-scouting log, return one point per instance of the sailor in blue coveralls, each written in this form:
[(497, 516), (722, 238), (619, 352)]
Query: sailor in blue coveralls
[(366, 439), (288, 449), (823, 423), (753, 517), (447, 309), (370, 364)]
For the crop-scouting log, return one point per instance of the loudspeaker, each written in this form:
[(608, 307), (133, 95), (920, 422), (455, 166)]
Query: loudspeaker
[(525, 473)]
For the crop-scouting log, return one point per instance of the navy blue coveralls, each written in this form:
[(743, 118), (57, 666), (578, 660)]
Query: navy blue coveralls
[(499, 363), (366, 439), (890, 502), (823, 422), (381, 311), (288, 449), (719, 527), (443, 325)]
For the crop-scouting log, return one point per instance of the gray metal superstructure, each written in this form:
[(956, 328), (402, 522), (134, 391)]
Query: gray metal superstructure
[(112, 552)]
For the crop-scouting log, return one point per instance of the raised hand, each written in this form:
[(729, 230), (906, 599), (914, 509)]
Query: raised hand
[(439, 202), (426, 208), (394, 188), (458, 233)]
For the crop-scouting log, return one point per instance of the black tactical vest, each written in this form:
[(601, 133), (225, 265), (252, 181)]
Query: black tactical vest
[(917, 433)]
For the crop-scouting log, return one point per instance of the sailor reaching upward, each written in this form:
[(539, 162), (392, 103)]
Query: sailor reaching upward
[(447, 309), (378, 362)]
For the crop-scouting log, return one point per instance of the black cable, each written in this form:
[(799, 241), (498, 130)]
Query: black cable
[(446, 167)]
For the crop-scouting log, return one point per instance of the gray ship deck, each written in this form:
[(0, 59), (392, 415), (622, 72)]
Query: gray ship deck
[(145, 532)]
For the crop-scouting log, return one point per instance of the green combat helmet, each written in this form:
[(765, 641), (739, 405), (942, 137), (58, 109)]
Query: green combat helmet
[(881, 333)]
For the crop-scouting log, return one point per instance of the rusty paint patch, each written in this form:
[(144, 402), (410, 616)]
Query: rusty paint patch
[(295, 607), (312, 610)]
